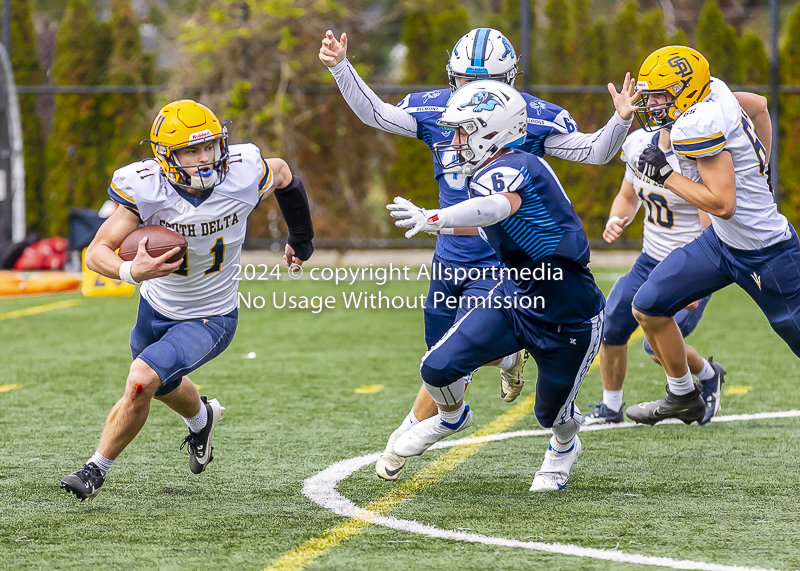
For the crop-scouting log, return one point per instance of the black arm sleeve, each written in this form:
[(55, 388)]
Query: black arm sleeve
[(293, 202)]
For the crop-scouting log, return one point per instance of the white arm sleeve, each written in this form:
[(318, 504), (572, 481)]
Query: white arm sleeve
[(480, 211), (591, 148), (369, 107)]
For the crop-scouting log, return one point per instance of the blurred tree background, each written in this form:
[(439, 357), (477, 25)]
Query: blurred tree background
[(255, 62)]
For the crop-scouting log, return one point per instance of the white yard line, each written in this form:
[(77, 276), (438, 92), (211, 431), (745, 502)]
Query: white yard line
[(321, 489)]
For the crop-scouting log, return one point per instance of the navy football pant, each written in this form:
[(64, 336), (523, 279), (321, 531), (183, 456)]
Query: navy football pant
[(176, 348), (563, 355), (438, 316), (620, 322), (771, 276)]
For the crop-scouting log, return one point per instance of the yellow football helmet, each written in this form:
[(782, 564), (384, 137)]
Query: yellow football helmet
[(182, 124), (679, 73)]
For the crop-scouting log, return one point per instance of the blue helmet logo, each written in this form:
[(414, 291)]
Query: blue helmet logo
[(509, 50), (682, 64), (483, 101)]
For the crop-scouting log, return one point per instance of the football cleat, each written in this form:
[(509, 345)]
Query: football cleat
[(200, 449), (688, 408), (711, 391), (426, 433), (511, 380), (603, 415), (85, 483), (556, 468), (390, 465)]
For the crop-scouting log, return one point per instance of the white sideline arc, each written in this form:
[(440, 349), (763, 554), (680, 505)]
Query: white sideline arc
[(321, 489)]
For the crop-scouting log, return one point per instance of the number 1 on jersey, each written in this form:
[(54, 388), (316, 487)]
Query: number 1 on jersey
[(218, 249)]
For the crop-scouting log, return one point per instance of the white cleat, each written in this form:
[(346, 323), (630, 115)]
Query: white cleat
[(511, 380), (390, 465), (428, 432), (556, 468)]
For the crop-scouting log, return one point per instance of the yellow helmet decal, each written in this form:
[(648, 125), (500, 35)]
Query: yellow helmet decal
[(678, 72)]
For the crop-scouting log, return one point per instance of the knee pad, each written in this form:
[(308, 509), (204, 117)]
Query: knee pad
[(447, 395)]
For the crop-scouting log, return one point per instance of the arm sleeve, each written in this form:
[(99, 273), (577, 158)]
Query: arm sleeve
[(476, 212), (369, 107), (591, 148), (293, 202)]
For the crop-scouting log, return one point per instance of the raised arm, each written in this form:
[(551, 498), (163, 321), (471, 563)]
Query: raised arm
[(362, 100), (599, 147)]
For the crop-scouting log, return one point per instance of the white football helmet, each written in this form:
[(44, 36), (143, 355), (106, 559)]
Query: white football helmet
[(493, 115), (483, 53)]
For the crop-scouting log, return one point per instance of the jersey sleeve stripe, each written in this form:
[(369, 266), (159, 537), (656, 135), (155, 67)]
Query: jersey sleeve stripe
[(702, 151), (688, 148), (699, 139), (117, 196), (266, 178)]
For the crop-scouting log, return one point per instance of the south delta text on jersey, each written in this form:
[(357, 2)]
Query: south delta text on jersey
[(214, 225), (544, 119), (206, 228)]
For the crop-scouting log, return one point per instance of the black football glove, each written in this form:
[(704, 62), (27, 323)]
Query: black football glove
[(653, 165)]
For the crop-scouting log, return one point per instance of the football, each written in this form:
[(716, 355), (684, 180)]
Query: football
[(160, 240)]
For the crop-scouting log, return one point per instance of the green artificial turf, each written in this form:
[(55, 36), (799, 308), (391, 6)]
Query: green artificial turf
[(726, 493)]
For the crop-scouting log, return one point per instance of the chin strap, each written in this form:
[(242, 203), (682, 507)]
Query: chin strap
[(293, 202)]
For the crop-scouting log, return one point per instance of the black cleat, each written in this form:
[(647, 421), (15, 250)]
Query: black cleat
[(688, 408), (200, 449), (85, 483), (711, 391)]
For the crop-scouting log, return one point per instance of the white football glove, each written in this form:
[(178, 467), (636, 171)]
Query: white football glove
[(413, 217)]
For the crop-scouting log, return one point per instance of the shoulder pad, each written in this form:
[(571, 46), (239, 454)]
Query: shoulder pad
[(135, 183), (426, 102), (700, 131), (247, 174), (541, 109), (497, 177)]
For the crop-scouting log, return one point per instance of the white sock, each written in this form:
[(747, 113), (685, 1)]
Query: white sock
[(681, 385), (452, 417), (554, 444), (101, 462), (707, 372), (409, 421), (198, 422), (507, 362), (613, 399)]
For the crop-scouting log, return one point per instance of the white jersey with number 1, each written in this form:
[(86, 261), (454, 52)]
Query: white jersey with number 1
[(214, 229), (670, 222), (716, 124)]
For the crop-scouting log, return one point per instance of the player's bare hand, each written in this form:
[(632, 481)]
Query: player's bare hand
[(146, 267), (694, 305), (292, 261), (625, 100), (614, 229), (333, 51)]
